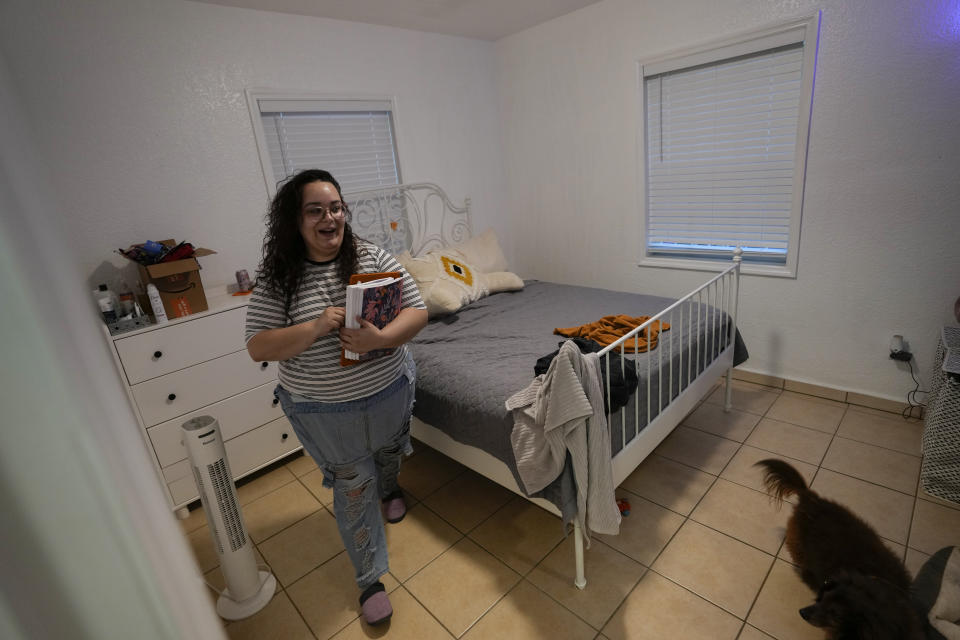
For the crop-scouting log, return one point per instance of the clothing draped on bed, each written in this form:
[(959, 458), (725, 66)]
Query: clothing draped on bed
[(609, 329), (560, 413), (621, 382)]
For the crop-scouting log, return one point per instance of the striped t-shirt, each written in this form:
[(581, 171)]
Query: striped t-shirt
[(316, 372)]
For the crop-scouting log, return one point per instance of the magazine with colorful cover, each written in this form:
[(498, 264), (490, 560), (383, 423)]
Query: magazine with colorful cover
[(377, 298)]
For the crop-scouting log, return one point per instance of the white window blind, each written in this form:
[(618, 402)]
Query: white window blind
[(353, 140), (721, 148)]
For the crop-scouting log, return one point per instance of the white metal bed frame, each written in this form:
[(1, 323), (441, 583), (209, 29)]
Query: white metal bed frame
[(420, 217)]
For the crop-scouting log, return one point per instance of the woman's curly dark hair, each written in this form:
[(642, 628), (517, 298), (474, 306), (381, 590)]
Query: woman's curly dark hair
[(284, 251)]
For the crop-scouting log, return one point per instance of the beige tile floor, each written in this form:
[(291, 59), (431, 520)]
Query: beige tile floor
[(699, 556)]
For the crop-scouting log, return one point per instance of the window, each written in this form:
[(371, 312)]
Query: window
[(725, 132), (352, 139)]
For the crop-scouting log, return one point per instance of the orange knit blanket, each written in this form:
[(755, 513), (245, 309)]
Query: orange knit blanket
[(609, 329)]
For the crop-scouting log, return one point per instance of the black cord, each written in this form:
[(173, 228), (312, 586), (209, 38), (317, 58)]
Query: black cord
[(912, 402)]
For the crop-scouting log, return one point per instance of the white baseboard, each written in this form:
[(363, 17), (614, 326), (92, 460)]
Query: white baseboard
[(841, 395)]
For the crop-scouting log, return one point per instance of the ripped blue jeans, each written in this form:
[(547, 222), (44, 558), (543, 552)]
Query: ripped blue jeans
[(358, 445)]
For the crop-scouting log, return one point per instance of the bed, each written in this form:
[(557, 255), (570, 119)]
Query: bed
[(471, 361)]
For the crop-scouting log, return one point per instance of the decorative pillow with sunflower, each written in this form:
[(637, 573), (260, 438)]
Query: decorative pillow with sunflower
[(456, 276)]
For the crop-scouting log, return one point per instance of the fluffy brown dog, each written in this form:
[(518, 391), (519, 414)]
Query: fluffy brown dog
[(852, 606), (861, 584)]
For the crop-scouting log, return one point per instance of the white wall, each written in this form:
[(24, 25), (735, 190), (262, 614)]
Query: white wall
[(88, 546), (141, 114), (880, 239)]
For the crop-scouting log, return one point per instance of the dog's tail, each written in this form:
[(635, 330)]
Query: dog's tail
[(781, 479)]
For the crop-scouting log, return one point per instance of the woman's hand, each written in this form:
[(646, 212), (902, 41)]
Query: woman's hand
[(399, 331), (367, 338), (330, 320), (284, 343)]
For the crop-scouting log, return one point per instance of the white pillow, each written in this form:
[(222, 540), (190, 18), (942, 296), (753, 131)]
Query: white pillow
[(452, 277)]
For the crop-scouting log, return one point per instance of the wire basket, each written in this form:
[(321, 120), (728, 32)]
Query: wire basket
[(940, 470), (131, 324)]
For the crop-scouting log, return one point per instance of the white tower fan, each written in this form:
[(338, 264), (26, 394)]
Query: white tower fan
[(249, 588)]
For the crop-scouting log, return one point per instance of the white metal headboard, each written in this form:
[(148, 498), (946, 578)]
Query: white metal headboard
[(415, 217)]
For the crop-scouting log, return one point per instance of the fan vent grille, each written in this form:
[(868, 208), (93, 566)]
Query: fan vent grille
[(203, 500), (227, 504)]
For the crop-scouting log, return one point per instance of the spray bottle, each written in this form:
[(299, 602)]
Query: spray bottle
[(156, 303)]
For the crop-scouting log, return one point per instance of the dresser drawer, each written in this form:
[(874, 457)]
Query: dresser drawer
[(245, 453), (166, 349), (181, 392), (236, 416)]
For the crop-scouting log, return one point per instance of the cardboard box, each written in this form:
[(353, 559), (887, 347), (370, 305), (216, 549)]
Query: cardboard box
[(178, 282)]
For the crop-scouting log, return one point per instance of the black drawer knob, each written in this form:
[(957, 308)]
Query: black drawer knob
[(284, 437), (264, 365), (158, 354), (276, 401), (172, 397)]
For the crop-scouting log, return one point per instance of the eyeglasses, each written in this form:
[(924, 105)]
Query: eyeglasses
[(318, 212)]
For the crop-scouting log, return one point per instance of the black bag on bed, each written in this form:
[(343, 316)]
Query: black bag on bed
[(622, 383)]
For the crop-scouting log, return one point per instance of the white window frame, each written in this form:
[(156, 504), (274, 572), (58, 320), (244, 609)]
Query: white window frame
[(324, 102), (804, 31)]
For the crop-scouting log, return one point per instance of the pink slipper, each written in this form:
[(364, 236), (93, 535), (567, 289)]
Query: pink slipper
[(394, 507), (375, 604)]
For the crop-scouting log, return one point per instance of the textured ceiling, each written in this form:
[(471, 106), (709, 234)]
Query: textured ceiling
[(484, 19)]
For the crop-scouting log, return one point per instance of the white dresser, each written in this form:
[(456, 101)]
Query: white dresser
[(198, 365)]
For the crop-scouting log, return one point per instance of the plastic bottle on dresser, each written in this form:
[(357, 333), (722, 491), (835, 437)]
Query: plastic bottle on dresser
[(107, 302), (156, 303), (126, 298)]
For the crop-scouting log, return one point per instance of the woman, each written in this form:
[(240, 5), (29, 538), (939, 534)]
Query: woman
[(354, 420)]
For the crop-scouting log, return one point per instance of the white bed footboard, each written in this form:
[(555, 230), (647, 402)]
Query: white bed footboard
[(683, 373)]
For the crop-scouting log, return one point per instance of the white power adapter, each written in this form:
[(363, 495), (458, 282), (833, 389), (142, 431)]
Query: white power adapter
[(897, 350), (896, 343)]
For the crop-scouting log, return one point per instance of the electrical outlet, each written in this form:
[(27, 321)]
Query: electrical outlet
[(896, 342), (898, 349)]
